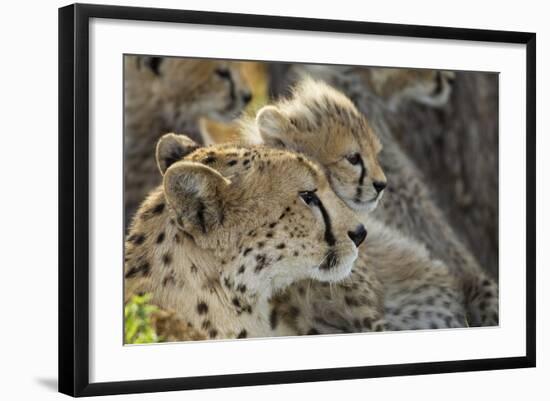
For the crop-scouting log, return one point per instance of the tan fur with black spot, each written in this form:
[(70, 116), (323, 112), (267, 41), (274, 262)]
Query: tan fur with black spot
[(388, 273), (395, 285), (407, 205), (229, 228), (320, 121)]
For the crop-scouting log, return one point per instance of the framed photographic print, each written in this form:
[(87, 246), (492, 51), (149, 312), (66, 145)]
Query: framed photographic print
[(249, 199)]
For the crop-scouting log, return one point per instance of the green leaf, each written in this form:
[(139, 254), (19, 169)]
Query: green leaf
[(137, 321)]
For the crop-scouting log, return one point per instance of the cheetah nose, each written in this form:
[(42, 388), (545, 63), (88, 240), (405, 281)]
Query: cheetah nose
[(247, 97), (379, 185), (359, 235)]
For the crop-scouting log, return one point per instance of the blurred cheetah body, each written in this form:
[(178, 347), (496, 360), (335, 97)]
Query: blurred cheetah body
[(163, 94)]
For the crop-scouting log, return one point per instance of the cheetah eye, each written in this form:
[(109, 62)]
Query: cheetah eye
[(223, 73), (309, 197), (354, 158)]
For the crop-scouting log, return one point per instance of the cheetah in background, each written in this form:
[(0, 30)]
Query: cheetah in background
[(390, 86), (165, 94)]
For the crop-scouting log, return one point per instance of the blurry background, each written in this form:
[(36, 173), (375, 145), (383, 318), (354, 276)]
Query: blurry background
[(456, 147)]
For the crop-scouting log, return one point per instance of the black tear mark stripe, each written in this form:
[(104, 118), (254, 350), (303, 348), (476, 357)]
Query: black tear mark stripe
[(438, 85), (232, 94), (361, 179), (232, 90), (329, 236)]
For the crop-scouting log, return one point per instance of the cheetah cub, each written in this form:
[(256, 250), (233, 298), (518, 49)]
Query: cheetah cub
[(324, 124), (229, 227), (420, 292), (409, 206)]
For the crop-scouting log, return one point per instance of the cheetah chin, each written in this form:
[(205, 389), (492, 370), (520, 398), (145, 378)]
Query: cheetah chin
[(365, 206), (335, 267)]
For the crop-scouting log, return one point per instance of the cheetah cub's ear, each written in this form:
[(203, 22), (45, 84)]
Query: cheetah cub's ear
[(275, 128), (172, 148), (196, 193)]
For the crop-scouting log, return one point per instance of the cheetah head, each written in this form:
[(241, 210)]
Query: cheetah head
[(393, 86), (210, 88), (430, 87), (267, 216), (324, 124)]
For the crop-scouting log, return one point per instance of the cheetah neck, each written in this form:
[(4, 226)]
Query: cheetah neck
[(191, 281)]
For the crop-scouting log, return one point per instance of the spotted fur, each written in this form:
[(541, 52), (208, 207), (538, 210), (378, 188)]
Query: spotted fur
[(321, 121), (230, 227), (407, 205), (395, 285), (384, 282)]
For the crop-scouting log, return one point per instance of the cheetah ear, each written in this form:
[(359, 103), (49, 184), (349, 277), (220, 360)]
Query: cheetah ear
[(275, 129), (196, 193), (172, 148)]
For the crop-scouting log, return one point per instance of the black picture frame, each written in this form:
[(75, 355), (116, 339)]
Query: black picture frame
[(74, 198)]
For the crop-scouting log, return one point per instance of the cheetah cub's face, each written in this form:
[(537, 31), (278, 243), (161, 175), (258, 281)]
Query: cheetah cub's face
[(269, 217), (391, 85), (324, 124), (430, 87), (210, 88)]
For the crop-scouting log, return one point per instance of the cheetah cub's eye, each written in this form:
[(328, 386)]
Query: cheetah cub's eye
[(354, 158), (309, 197), (223, 73)]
